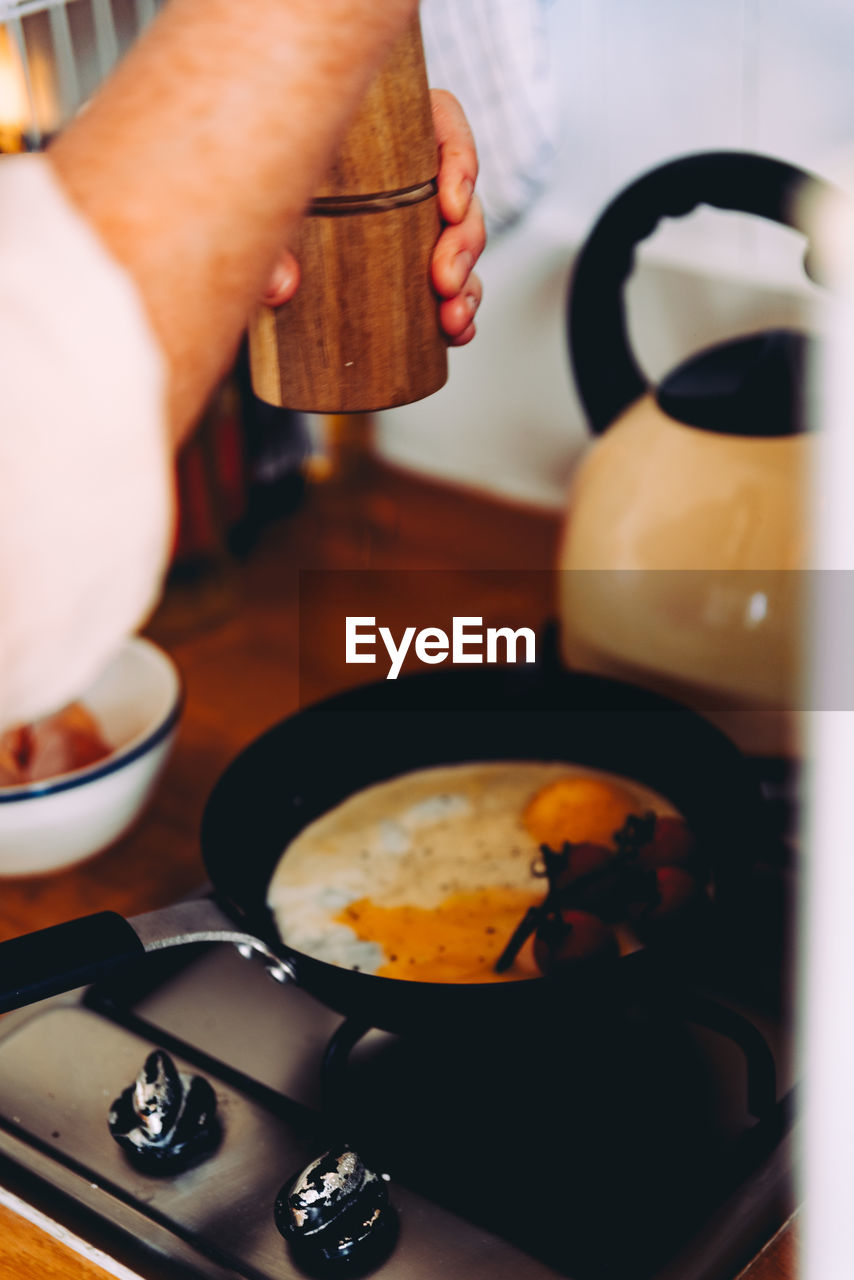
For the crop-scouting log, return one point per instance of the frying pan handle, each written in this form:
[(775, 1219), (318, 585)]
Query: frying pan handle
[(65, 956), (71, 955)]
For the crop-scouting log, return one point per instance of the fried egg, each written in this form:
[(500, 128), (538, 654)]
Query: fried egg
[(425, 876)]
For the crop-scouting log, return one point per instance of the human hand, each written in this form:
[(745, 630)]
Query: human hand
[(461, 242), (464, 236)]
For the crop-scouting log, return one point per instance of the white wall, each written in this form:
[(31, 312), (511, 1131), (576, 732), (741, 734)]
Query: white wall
[(639, 81)]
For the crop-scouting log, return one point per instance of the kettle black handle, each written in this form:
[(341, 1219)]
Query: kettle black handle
[(607, 375)]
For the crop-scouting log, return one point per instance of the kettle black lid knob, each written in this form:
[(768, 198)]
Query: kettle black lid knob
[(752, 386)]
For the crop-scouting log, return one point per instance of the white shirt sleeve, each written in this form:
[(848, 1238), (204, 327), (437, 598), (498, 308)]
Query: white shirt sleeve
[(494, 56), (86, 490)]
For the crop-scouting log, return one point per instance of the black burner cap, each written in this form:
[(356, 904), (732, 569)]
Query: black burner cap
[(336, 1217)]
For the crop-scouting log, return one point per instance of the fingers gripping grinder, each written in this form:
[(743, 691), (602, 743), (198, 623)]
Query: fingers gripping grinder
[(362, 332)]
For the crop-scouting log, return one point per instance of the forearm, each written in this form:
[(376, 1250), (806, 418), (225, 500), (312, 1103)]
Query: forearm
[(196, 159)]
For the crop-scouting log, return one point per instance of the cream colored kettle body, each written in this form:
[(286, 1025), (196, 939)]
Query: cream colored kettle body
[(687, 531)]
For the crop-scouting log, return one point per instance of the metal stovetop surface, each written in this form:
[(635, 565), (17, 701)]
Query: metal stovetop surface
[(63, 1062)]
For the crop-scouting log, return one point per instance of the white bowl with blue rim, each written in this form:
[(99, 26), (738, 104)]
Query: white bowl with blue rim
[(58, 821)]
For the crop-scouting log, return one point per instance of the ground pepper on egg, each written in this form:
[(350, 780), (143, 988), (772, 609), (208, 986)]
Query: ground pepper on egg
[(461, 938), (426, 875), (457, 941)]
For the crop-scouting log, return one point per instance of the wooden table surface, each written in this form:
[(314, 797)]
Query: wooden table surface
[(236, 637)]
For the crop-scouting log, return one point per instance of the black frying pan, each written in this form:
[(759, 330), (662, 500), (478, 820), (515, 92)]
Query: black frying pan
[(311, 761)]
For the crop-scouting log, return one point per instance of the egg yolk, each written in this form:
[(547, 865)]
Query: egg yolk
[(457, 941), (577, 810)]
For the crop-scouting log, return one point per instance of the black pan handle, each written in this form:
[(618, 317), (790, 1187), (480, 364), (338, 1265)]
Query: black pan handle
[(607, 375), (66, 956)]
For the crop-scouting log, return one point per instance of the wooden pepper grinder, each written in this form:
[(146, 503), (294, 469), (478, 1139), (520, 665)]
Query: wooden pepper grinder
[(362, 332)]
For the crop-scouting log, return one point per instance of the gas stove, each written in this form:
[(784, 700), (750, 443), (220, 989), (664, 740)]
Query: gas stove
[(649, 1144)]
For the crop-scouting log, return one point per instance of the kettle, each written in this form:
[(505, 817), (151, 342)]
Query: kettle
[(687, 529)]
